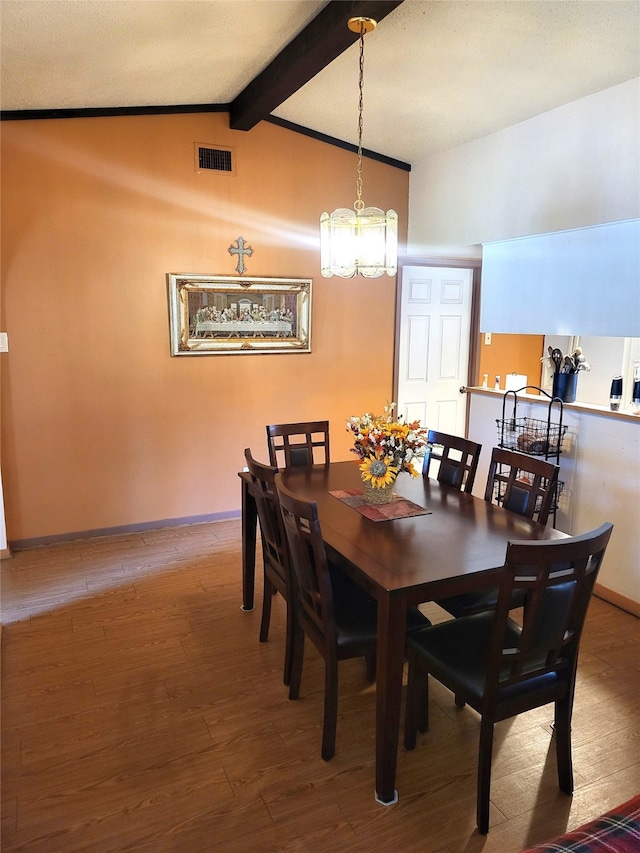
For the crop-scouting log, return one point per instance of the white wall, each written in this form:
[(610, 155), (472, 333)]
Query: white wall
[(575, 166)]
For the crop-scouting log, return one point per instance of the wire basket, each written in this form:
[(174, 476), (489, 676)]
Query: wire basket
[(529, 435)]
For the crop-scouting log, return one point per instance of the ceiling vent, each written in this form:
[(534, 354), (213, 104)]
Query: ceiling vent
[(215, 158)]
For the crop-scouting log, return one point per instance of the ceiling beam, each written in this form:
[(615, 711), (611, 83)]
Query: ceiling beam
[(321, 41)]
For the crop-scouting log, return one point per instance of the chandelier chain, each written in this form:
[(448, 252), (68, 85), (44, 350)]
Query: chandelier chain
[(359, 204), (364, 244)]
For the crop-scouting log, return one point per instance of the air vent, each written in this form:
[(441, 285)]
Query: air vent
[(215, 158)]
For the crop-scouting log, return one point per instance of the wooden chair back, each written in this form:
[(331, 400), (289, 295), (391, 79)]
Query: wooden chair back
[(298, 444), (340, 627), (557, 578), (502, 669), (458, 459), (523, 484), (314, 594), (275, 551), (337, 615), (274, 540)]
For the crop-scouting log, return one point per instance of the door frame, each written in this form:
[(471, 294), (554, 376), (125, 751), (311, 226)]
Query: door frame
[(474, 264)]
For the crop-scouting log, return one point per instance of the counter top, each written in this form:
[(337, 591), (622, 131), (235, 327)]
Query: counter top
[(592, 408)]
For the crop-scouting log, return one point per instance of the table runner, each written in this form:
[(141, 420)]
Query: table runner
[(399, 507)]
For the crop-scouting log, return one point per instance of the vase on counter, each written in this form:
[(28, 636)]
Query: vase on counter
[(565, 386)]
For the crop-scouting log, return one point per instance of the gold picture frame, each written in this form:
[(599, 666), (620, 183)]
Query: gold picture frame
[(224, 315)]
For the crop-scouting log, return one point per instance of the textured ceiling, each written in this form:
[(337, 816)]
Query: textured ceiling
[(437, 74)]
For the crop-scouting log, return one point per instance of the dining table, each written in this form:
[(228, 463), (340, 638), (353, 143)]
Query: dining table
[(448, 543)]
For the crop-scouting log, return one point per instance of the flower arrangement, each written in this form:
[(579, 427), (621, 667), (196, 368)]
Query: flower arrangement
[(386, 446)]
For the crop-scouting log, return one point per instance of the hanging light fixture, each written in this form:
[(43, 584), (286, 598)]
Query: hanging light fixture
[(362, 241)]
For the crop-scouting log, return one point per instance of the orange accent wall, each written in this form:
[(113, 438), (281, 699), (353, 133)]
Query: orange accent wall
[(101, 427), (511, 354)]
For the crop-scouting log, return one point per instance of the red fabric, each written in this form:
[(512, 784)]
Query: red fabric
[(617, 831)]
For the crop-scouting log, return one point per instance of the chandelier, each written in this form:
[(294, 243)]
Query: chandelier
[(362, 241)]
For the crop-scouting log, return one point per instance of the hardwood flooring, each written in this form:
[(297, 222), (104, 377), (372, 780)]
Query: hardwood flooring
[(140, 713)]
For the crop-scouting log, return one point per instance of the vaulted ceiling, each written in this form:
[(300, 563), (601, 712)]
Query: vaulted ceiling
[(437, 74)]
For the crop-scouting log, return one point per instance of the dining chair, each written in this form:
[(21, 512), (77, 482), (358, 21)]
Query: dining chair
[(522, 484), (458, 458), (275, 553), (298, 444), (502, 669), (338, 616)]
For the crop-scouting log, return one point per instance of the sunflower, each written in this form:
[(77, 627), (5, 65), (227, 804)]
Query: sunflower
[(378, 471)]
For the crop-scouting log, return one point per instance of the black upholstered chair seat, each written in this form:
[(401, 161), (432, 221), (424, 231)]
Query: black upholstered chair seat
[(356, 612), (456, 654)]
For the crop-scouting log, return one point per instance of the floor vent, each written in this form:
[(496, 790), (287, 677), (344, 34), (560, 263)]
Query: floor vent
[(215, 158)]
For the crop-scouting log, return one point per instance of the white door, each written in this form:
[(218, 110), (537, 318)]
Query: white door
[(433, 347)]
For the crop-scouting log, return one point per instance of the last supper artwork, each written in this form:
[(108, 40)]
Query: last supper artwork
[(239, 315), (229, 315)]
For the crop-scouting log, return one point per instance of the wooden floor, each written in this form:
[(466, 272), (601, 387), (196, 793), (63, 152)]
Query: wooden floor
[(140, 712)]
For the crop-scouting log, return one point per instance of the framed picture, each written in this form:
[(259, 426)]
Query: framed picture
[(220, 315)]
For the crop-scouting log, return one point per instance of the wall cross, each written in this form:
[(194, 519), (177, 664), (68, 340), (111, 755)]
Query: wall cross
[(240, 250)]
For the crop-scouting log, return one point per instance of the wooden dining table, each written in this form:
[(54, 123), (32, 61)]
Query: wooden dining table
[(457, 546)]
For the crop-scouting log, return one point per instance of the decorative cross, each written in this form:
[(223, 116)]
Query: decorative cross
[(240, 251)]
